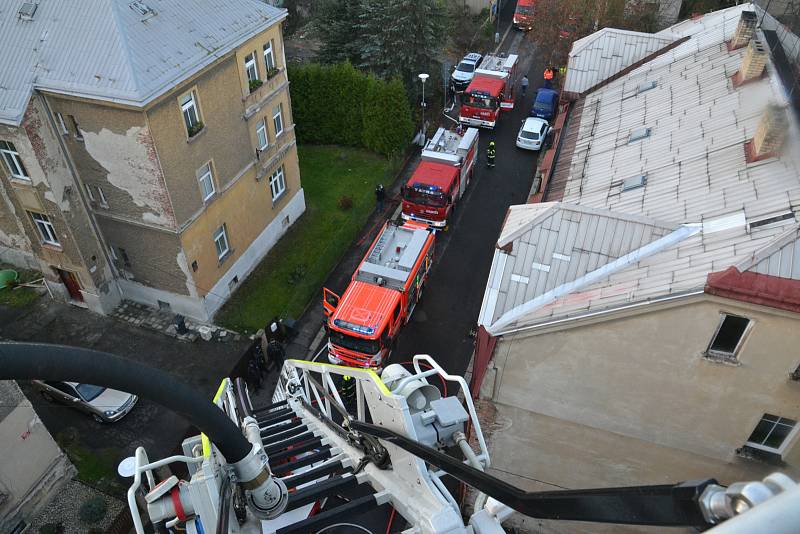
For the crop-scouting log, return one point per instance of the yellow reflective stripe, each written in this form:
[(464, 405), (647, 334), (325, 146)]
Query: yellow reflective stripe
[(369, 372), (207, 442)]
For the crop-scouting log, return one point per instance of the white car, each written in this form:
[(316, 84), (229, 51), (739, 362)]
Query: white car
[(464, 72), (533, 133)]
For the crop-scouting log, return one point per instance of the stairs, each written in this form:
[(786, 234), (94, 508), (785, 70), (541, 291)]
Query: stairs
[(313, 472)]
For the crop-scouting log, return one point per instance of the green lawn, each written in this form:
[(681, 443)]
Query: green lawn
[(293, 272), (97, 468), (19, 297)]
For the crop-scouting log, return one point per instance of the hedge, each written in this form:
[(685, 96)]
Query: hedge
[(339, 105)]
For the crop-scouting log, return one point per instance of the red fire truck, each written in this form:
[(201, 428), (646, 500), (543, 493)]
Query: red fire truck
[(523, 14), (438, 183), (491, 90), (363, 324)]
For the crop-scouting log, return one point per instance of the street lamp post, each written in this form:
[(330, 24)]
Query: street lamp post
[(423, 77)]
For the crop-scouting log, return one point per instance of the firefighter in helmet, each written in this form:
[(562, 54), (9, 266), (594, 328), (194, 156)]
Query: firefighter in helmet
[(490, 154), (348, 390)]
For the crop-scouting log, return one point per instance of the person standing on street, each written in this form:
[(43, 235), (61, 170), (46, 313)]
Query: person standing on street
[(275, 354), (490, 154), (524, 85), (380, 196)]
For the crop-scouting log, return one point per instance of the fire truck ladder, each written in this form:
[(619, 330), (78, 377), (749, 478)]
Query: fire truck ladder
[(378, 440)]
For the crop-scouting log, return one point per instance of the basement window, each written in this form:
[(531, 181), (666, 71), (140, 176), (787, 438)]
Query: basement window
[(638, 134), (727, 340), (795, 375), (634, 183)]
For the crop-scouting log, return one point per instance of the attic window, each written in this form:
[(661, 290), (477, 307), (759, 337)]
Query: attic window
[(646, 86), (771, 220), (142, 9), (635, 182), (27, 11), (639, 134)]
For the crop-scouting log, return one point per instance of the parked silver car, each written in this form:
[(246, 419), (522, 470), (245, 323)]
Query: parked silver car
[(105, 405), (533, 133)]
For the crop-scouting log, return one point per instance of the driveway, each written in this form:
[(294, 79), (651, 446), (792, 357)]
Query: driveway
[(200, 364)]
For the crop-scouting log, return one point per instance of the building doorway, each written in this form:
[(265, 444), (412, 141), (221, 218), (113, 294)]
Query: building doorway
[(70, 281)]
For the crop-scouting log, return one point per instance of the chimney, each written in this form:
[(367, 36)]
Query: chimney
[(744, 30), (769, 136), (753, 63)]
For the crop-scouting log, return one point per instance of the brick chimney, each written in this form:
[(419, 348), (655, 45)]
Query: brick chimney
[(744, 30), (753, 63), (769, 136)]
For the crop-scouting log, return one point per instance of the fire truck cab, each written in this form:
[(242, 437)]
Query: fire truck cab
[(439, 182), (523, 15), (491, 90), (363, 324)]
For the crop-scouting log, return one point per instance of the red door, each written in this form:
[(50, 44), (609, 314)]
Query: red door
[(71, 282)]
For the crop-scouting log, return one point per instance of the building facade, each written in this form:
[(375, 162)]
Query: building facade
[(33, 468), (158, 162)]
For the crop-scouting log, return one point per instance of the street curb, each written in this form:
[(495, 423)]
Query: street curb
[(503, 39)]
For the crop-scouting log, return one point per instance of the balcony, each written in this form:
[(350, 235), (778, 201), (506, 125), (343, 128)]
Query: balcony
[(262, 94), (270, 156)]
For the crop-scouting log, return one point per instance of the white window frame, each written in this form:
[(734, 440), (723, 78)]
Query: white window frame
[(46, 229), (89, 192), (102, 195), (188, 105), (251, 67), (269, 56), (726, 355), (13, 162), (221, 235), (205, 175), (787, 441), (277, 183), (62, 124), (78, 134), (277, 119), (261, 134)]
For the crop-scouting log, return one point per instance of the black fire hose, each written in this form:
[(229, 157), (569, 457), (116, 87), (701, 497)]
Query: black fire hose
[(39, 361)]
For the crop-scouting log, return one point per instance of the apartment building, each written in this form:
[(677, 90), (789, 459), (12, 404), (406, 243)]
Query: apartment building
[(640, 325), (148, 147)]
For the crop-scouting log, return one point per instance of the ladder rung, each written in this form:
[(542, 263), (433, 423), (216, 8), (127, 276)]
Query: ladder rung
[(312, 474), (281, 445), (329, 517), (270, 438), (270, 406), (276, 417), (323, 454), (299, 448), (319, 490)]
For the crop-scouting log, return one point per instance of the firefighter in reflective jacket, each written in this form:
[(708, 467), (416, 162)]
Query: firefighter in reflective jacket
[(348, 390), (490, 154)]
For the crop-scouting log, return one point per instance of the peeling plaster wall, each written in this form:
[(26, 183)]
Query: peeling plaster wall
[(53, 192), (225, 138)]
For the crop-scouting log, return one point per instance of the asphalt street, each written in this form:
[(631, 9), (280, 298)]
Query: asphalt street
[(441, 323), (443, 319)]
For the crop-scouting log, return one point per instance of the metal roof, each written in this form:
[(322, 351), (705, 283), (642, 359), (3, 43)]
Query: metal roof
[(604, 53), (108, 50), (696, 176)]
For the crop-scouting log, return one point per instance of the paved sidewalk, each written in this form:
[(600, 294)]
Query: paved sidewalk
[(159, 321)]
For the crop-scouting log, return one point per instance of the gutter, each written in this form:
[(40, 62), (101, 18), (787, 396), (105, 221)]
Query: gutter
[(600, 313)]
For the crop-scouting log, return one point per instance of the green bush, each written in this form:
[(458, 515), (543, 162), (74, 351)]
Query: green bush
[(51, 528), (339, 105), (93, 510)]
